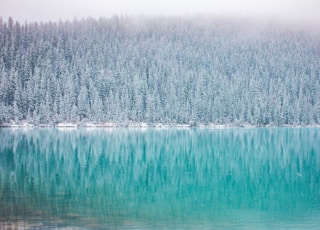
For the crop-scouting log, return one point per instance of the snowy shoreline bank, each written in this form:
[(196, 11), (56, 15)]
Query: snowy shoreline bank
[(64, 125)]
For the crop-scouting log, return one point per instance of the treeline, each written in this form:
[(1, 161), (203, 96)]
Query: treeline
[(158, 70)]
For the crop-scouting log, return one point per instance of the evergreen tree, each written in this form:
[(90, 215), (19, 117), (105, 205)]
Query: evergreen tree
[(158, 70)]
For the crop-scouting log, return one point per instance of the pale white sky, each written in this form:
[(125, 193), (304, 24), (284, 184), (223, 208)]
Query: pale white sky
[(45, 10)]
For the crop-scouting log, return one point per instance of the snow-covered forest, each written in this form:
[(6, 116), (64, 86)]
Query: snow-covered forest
[(158, 70)]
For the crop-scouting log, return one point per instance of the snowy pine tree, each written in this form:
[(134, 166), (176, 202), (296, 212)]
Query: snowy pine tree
[(158, 70)]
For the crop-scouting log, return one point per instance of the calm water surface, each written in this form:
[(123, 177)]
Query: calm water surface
[(160, 179)]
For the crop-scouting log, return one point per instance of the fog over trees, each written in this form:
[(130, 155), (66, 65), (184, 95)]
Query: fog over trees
[(158, 70)]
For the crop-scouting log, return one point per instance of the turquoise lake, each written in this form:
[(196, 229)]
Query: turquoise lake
[(160, 178)]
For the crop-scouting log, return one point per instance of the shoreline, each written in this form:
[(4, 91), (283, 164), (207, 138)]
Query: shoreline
[(68, 125)]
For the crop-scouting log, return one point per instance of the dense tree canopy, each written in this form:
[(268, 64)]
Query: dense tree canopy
[(158, 70)]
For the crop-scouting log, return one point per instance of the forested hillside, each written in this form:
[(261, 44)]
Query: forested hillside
[(158, 70)]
